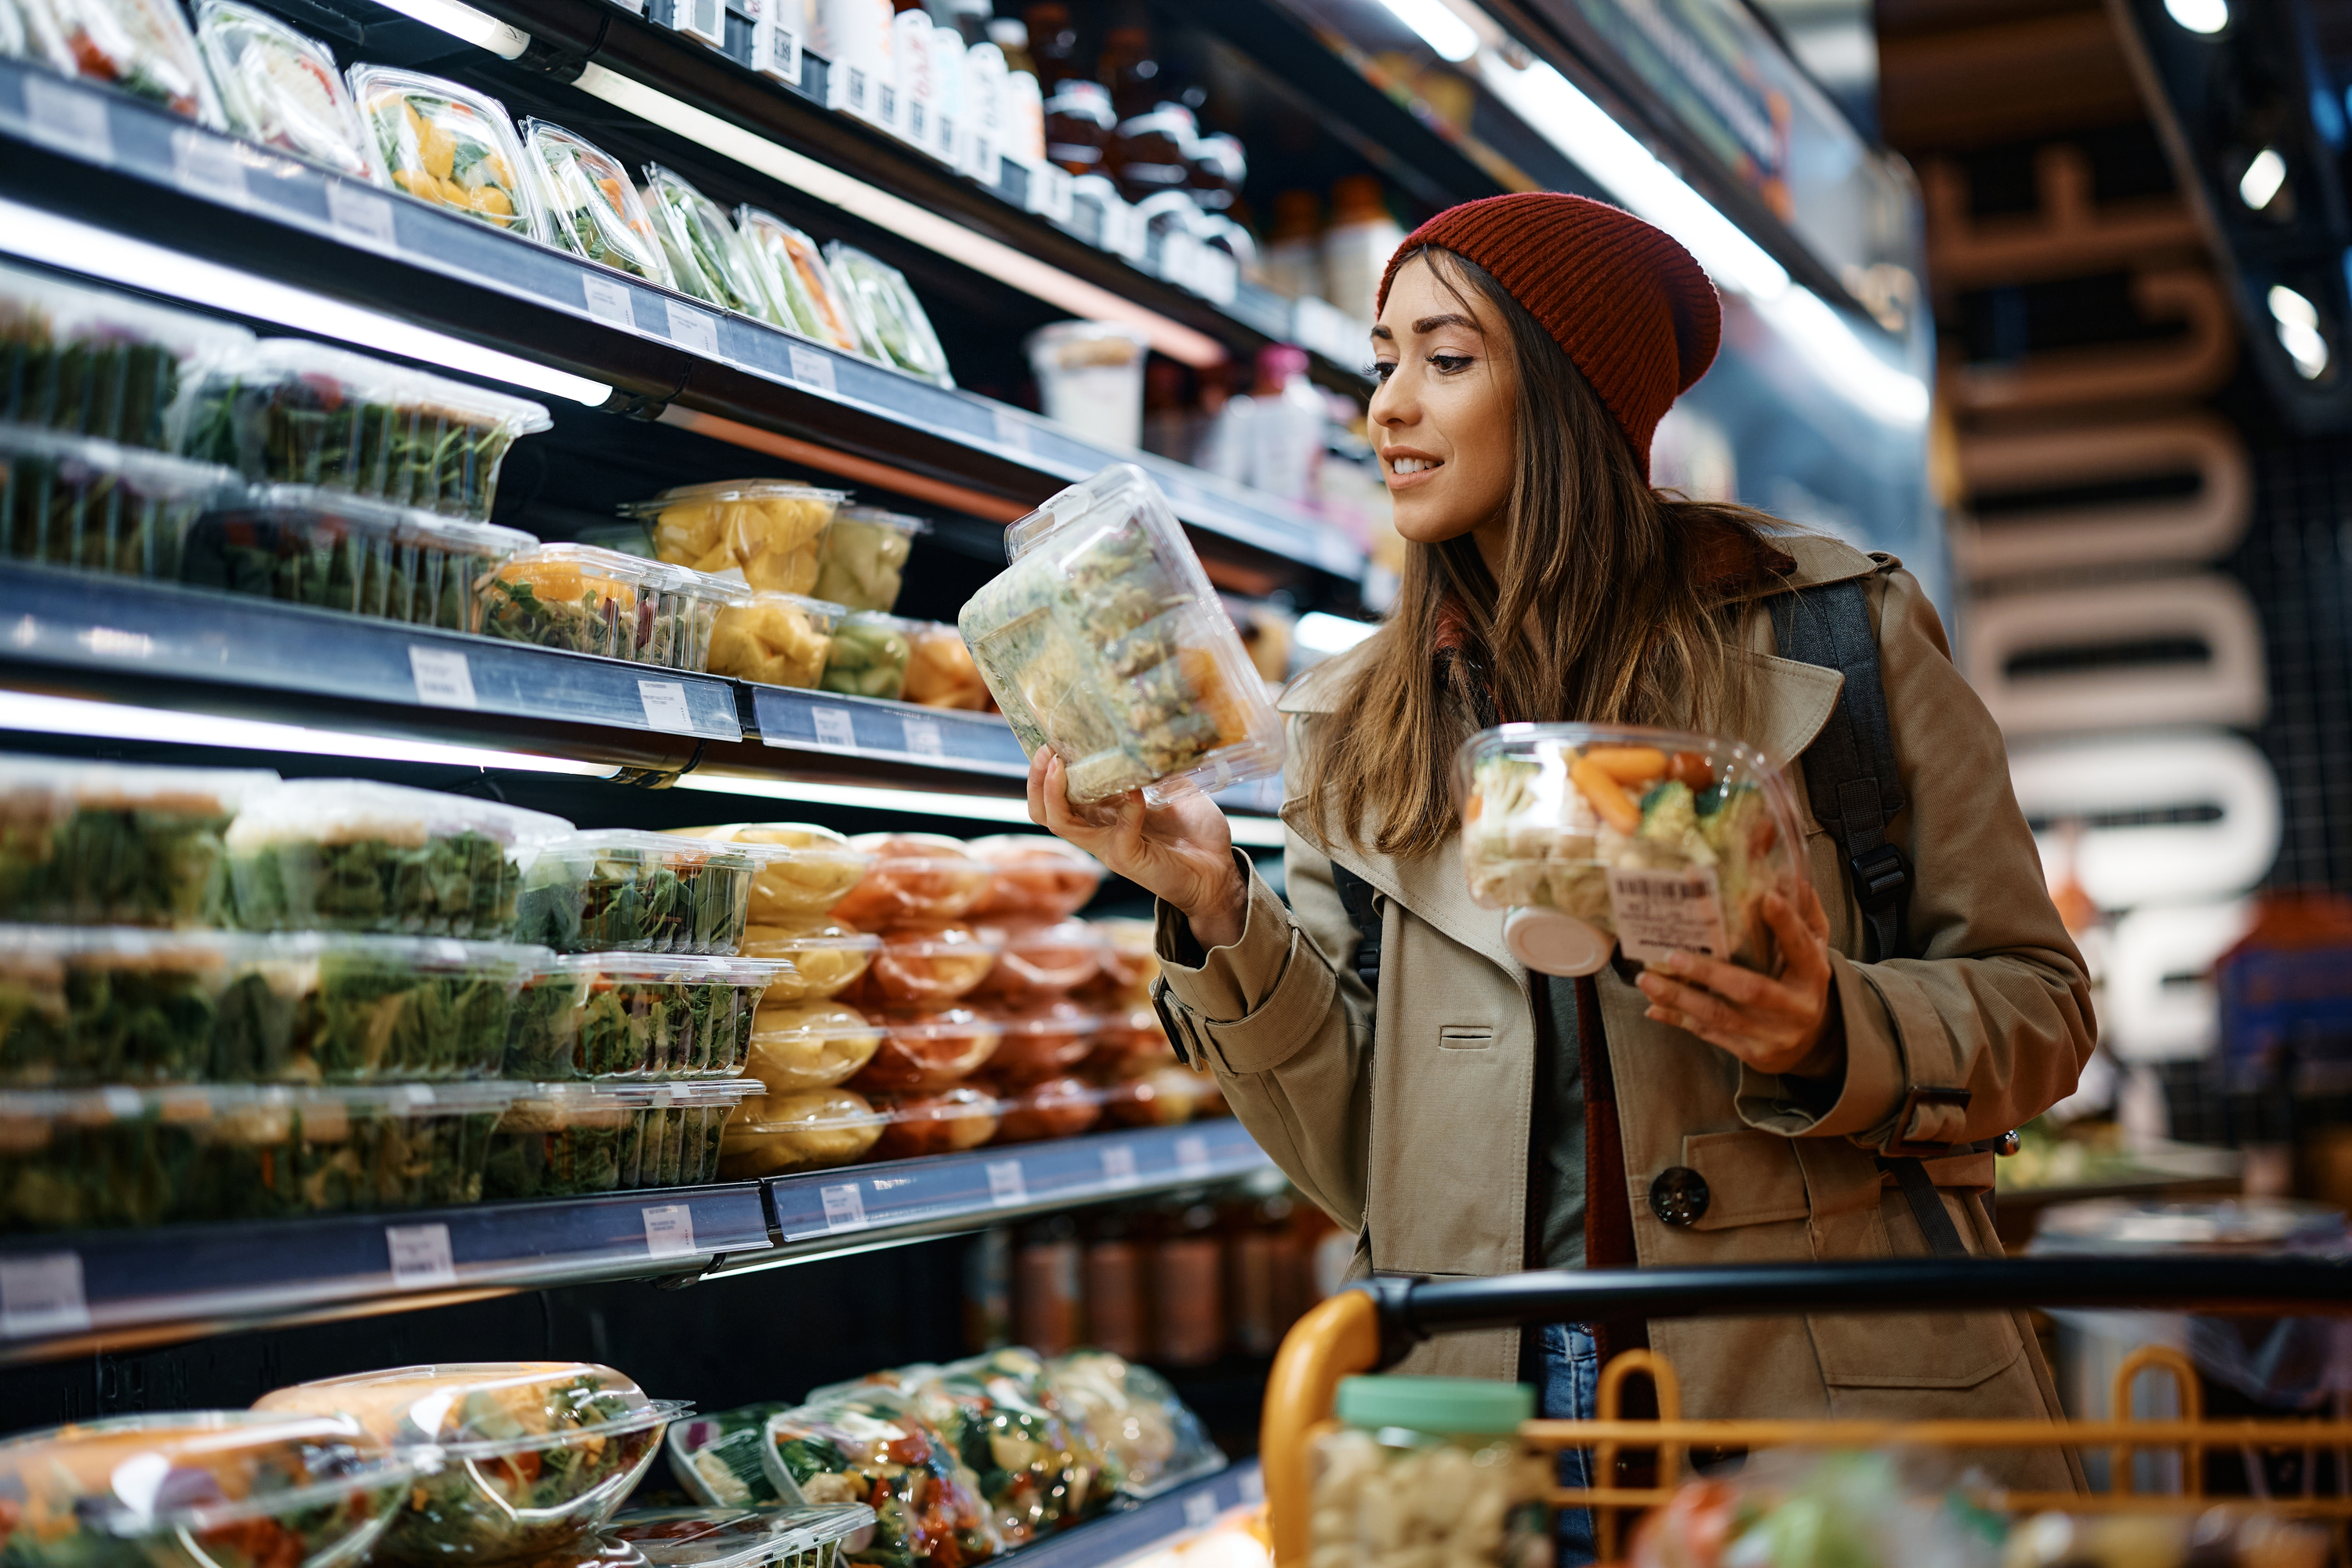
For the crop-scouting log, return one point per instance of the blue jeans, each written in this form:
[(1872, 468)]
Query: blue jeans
[(1572, 1388)]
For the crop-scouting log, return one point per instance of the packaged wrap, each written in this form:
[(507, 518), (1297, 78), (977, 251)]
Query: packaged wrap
[(593, 210), (1149, 1439), (637, 1015), (776, 639), (940, 672), (586, 599), (769, 530), (114, 843), (451, 146), (69, 501), (305, 544), (90, 362), (799, 1046), (928, 964), (1037, 876), (566, 1140), (820, 868), (827, 958), (926, 1050), (913, 876), (143, 47), (1105, 641), (871, 655), (807, 1129), (281, 88), (800, 288), (707, 259), (870, 1445), (862, 562), (715, 1457), (624, 891), (892, 328), (742, 1538)]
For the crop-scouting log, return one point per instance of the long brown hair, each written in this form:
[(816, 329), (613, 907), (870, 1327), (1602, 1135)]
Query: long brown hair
[(1617, 604)]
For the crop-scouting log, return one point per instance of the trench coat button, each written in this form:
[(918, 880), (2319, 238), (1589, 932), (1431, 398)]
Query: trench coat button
[(1679, 1196)]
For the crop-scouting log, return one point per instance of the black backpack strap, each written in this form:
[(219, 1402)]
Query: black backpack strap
[(1361, 900)]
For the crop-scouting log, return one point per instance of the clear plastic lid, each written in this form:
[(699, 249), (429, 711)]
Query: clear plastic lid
[(140, 47), (390, 519), (870, 654), (1040, 1041), (586, 599), (940, 672), (56, 788), (914, 877), (420, 954), (799, 285), (1041, 957), (1037, 875), (479, 1410), (1058, 1106), (766, 529), (1104, 641), (926, 1050), (255, 1112), (1599, 836), (81, 463), (928, 964), (811, 881), (592, 209), (775, 640), (449, 145), (32, 953), (352, 811), (1148, 1435), (94, 363), (862, 564), (707, 257), (892, 328), (788, 1537), (569, 1104), (827, 957), (626, 891), (1130, 955), (321, 369), (805, 1130), (810, 1045), (670, 968), (281, 88)]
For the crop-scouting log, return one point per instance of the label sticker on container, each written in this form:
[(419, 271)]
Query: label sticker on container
[(1192, 1155), (665, 705), (669, 1231), (845, 1207), (66, 118), (360, 217), (608, 300), (121, 1102), (1011, 433), (833, 728), (442, 680), (1006, 1189), (693, 329), (208, 166), (1119, 1166), (923, 738), (420, 1256), (813, 368), (1658, 912), (41, 1293)]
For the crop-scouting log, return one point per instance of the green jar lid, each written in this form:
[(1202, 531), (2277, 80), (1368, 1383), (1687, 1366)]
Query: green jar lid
[(1435, 1405)]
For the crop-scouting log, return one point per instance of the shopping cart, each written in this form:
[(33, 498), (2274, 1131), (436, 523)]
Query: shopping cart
[(1373, 1325)]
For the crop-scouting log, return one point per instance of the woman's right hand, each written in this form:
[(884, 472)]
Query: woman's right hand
[(1181, 852)]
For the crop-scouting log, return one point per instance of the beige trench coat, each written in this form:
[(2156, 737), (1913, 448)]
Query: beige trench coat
[(1415, 1129)]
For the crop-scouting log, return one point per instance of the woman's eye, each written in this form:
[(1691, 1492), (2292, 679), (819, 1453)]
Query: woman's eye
[(1381, 369), (1448, 364)]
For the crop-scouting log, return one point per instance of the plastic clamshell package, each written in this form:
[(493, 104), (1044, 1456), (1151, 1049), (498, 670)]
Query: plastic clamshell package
[(999, 1415), (1039, 958), (806, 1537), (336, 1008), (90, 1159), (769, 530), (1041, 1041), (892, 328), (870, 654), (1149, 1439), (226, 1488), (812, 878), (926, 1050), (116, 844), (914, 877), (449, 145), (281, 88), (871, 1443), (287, 411), (143, 47), (1651, 839), (592, 209), (1131, 957), (354, 855), (862, 563), (936, 1122), (800, 1045), (776, 639), (707, 257), (1104, 641), (715, 1457), (586, 599), (805, 1130), (800, 286), (1036, 876), (120, 1006), (637, 1015), (940, 672), (71, 500), (589, 1430), (1049, 1107), (826, 957), (624, 890), (928, 964), (90, 362), (566, 1140)]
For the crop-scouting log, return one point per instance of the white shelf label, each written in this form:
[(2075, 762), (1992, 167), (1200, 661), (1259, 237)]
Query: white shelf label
[(420, 1256), (844, 1208), (1006, 1189), (1011, 433), (1253, 1486), (1659, 911), (442, 680), (68, 119), (693, 329), (1192, 1155), (813, 368), (122, 1101), (360, 217), (1200, 1510), (833, 728), (704, 19), (40, 1294), (1119, 1166), (608, 300), (665, 709), (209, 167), (923, 738), (1216, 275), (669, 1231), (775, 43)]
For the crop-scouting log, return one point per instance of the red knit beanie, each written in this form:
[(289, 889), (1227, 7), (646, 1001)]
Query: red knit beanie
[(1632, 309)]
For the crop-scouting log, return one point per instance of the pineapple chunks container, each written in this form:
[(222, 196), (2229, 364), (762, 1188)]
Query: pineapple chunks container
[(1596, 836), (769, 530), (1104, 641)]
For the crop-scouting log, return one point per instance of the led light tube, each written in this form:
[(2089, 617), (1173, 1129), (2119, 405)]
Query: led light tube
[(460, 20), (1250, 832), (1440, 28)]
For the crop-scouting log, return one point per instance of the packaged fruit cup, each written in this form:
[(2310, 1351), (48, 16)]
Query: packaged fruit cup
[(201, 1489), (707, 259), (913, 876), (928, 964), (143, 47), (1131, 957), (358, 856), (769, 530), (870, 1444), (869, 656), (563, 1140), (536, 1454), (809, 881), (807, 1129), (375, 1009), (87, 1159), (787, 1537), (618, 889), (115, 844), (1599, 836), (1058, 1107), (892, 328), (810, 1045), (776, 639), (287, 411), (585, 599), (1105, 641), (1149, 1441), (1042, 958), (280, 89), (637, 1015), (1037, 875), (449, 145), (826, 957), (715, 1457), (69, 501), (940, 671), (800, 286), (862, 562), (924, 1051), (1429, 1459), (593, 210), (104, 1004), (89, 362), (1041, 1041)]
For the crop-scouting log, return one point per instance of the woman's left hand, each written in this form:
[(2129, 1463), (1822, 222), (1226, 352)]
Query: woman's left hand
[(1773, 1025)]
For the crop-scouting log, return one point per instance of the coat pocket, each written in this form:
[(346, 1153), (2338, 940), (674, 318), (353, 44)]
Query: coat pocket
[(1465, 1036), (1951, 1351), (1752, 1178)]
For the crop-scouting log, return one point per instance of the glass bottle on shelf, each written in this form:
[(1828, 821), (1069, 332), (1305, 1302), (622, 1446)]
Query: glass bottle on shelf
[(1293, 257), (1216, 167), (1358, 244), (1078, 126), (1127, 69), (1046, 1293), (1117, 1293), (1188, 1285), (1149, 152)]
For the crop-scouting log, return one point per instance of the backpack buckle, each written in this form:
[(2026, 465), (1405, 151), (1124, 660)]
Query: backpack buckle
[(1881, 876)]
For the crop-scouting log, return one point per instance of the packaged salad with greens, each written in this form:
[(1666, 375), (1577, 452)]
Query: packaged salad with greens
[(715, 1457), (871, 1444), (112, 1005), (116, 844), (707, 259), (862, 562), (302, 544), (336, 1008), (869, 656), (68, 500), (891, 326), (800, 288), (623, 890), (359, 856), (281, 88), (743, 1538), (586, 599), (637, 1015), (449, 145), (593, 210), (536, 1454), (90, 362), (563, 1140), (768, 529), (141, 47), (675, 1140), (1148, 1439), (199, 1490)]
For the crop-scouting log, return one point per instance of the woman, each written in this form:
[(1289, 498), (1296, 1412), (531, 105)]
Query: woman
[(1473, 1118)]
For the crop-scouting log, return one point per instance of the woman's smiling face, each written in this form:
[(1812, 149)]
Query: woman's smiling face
[(1444, 418)]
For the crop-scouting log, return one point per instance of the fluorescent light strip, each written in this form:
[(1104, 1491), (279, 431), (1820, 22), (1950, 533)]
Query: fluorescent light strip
[(901, 216), (1812, 327), (462, 21), (113, 258), (1250, 832), (1440, 28)]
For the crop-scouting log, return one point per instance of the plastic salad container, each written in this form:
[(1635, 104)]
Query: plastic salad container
[(799, 285), (280, 89), (593, 210), (358, 856), (937, 1122), (914, 877), (69, 501), (715, 1457), (892, 328), (199, 1490), (623, 890), (82, 1159), (1057, 1107), (869, 656), (536, 1454), (923, 1051), (809, 881), (449, 145), (999, 1415), (114, 1004), (928, 964), (563, 1140), (141, 47), (113, 844), (1036, 876), (1105, 641), (743, 1538), (826, 957), (707, 259), (1594, 836), (1148, 1439), (768, 529), (90, 362), (586, 599), (776, 639), (862, 563), (810, 1045), (940, 672), (1435, 1461), (292, 412), (360, 1009), (302, 544), (807, 1129), (870, 1445), (1041, 1041), (637, 1015)]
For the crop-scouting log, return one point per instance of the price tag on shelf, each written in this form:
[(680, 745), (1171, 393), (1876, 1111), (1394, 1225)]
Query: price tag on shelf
[(1192, 1155), (669, 1231), (665, 705), (420, 1256), (208, 166), (813, 368), (442, 680), (1006, 1189), (923, 738), (693, 329), (608, 300), (1253, 1482), (1011, 433), (1216, 275), (1200, 1510), (833, 728), (1119, 1166), (845, 1207), (41, 1294), (68, 119), (361, 218)]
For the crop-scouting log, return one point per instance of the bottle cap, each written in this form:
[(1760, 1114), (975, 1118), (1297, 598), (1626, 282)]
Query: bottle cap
[(1439, 1405)]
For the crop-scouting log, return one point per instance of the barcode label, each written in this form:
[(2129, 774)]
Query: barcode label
[(208, 166), (360, 217), (693, 329), (420, 1256), (1006, 1189), (844, 1208), (41, 1294), (608, 300), (1658, 912), (833, 728), (923, 738), (669, 1231), (68, 119), (1192, 1155), (665, 705), (1119, 1166), (442, 680), (813, 368)]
